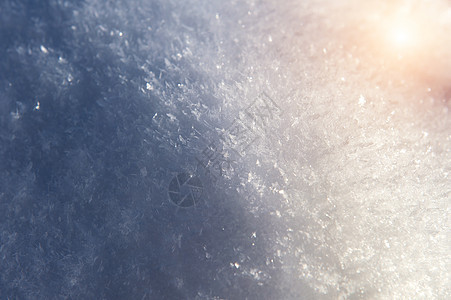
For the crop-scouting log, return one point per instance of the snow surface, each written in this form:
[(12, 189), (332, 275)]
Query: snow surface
[(329, 141)]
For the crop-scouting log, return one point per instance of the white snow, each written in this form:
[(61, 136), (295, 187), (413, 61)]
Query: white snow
[(350, 183)]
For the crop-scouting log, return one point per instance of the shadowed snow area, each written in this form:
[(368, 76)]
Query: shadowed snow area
[(225, 149)]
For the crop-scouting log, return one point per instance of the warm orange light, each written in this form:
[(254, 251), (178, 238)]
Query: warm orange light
[(401, 37), (404, 34)]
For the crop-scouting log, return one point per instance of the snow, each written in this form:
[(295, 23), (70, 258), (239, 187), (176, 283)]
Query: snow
[(323, 145)]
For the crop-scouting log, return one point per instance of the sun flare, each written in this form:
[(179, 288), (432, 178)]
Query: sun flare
[(401, 36)]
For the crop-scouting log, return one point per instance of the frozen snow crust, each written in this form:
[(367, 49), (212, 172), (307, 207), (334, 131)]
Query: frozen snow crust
[(314, 153)]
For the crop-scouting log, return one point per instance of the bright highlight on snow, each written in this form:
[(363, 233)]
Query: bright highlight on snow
[(405, 33), (408, 36), (401, 36)]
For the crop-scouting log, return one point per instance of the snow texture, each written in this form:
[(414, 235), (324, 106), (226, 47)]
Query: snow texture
[(322, 144)]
